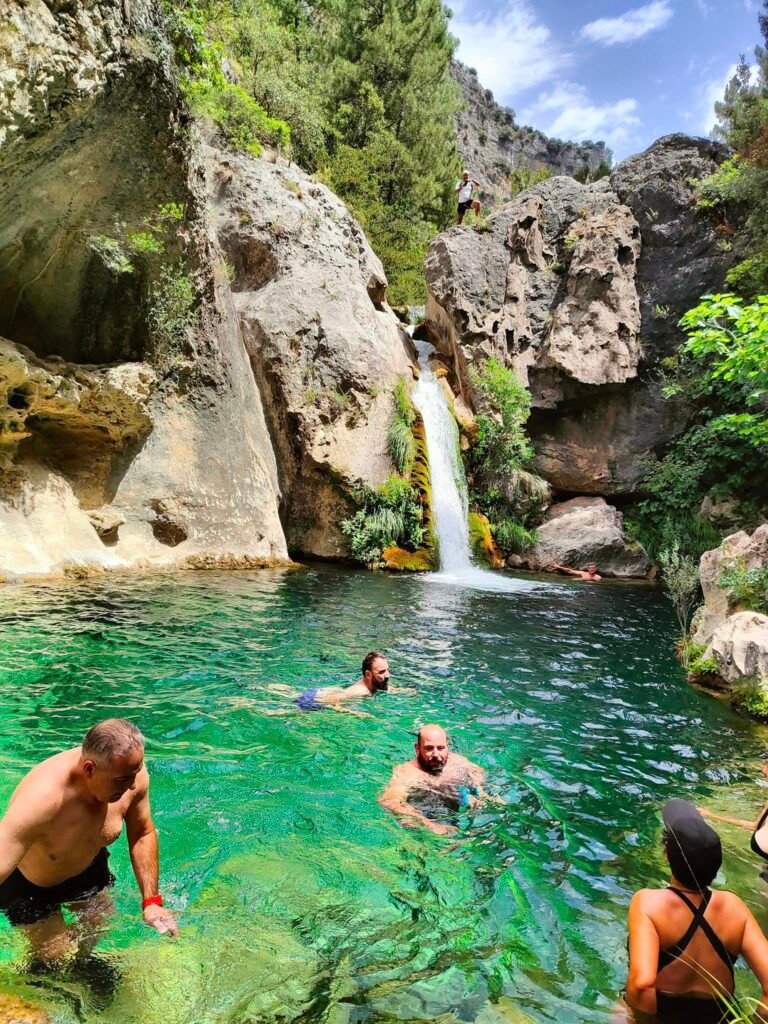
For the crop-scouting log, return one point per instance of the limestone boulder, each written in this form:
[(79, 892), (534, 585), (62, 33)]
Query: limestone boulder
[(739, 647), (97, 406), (579, 289), (325, 348), (749, 551), (585, 530)]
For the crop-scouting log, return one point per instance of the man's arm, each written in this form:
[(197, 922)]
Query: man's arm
[(564, 568), (395, 799), (18, 831), (144, 851), (728, 821)]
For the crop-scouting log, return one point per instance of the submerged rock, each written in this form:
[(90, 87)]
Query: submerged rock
[(586, 530)]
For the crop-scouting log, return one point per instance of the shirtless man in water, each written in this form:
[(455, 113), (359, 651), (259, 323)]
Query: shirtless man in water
[(590, 576), (374, 680), (54, 837), (435, 770)]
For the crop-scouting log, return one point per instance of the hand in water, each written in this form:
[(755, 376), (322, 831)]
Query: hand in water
[(162, 920)]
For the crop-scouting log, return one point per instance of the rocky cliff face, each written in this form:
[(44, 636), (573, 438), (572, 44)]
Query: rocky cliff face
[(162, 343), (579, 287), (732, 636), (491, 144)]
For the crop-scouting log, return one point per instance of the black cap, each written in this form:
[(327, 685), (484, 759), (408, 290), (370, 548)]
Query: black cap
[(693, 847)]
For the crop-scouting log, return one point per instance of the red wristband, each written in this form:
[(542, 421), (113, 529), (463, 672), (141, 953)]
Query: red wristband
[(152, 901)]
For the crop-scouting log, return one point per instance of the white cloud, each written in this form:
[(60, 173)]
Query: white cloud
[(629, 27), (510, 48), (567, 112), (705, 9)]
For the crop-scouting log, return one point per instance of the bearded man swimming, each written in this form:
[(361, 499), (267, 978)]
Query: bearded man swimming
[(435, 772)]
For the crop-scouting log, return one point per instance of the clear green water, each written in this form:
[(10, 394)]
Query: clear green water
[(299, 898)]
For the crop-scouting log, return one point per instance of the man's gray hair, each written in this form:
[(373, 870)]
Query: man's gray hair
[(111, 739)]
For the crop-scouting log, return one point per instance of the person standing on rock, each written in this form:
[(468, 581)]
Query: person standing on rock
[(437, 779), (54, 837), (464, 190), (590, 576)]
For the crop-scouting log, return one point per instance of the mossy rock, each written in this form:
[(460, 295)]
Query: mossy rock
[(399, 560), (484, 547)]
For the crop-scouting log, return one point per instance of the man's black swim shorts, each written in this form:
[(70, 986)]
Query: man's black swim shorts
[(22, 902)]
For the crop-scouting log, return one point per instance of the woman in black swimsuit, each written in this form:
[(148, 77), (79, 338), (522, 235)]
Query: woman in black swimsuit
[(759, 828), (685, 939)]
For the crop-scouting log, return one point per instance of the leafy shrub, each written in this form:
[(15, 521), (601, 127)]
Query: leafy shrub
[(658, 529), (746, 587), (244, 122), (145, 243), (502, 444), (172, 309), (401, 443), (388, 517), (513, 538), (681, 576), (111, 253)]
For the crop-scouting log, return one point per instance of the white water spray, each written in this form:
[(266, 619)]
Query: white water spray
[(449, 487)]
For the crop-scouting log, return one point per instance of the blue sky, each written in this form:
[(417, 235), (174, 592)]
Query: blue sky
[(625, 71)]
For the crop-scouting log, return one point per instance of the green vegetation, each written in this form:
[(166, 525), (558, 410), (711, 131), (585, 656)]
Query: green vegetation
[(502, 485), (357, 92), (747, 588), (721, 374), (681, 575), (112, 253), (172, 306), (738, 192), (388, 517), (401, 443), (522, 178)]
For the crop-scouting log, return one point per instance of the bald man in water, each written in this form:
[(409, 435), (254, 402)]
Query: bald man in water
[(54, 837), (437, 771)]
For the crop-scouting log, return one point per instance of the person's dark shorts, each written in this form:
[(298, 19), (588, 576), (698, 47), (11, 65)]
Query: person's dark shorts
[(307, 701), (22, 902), (463, 207)]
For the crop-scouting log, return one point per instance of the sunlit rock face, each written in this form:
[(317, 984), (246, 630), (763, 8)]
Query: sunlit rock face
[(579, 288), (167, 439), (326, 350)]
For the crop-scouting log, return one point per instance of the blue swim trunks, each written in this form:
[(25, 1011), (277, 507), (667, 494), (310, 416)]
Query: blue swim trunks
[(307, 701)]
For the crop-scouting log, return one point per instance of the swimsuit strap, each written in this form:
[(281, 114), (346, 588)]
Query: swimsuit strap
[(699, 921)]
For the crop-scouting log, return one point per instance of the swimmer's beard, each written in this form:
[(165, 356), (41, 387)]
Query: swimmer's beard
[(432, 767), (381, 686)]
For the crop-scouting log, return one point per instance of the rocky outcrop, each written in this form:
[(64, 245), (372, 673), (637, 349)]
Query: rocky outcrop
[(584, 530), (740, 549), (199, 355), (325, 348), (731, 637), (578, 288), (92, 150), (492, 145)]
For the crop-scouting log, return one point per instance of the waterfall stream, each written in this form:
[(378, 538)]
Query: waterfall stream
[(449, 487)]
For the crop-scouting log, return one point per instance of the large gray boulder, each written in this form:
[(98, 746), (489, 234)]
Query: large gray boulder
[(739, 647), (750, 551), (584, 530), (579, 288), (325, 347)]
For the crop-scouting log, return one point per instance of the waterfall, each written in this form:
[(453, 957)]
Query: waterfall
[(446, 473), (449, 487)]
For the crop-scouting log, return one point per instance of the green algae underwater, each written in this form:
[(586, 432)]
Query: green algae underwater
[(299, 898)]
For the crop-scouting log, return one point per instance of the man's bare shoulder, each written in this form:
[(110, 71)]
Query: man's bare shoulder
[(458, 761), (408, 771), (355, 691), (46, 787)]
